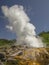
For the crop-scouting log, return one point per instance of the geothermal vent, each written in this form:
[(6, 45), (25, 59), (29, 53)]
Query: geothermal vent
[(19, 22)]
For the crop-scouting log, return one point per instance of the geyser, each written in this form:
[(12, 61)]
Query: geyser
[(19, 22)]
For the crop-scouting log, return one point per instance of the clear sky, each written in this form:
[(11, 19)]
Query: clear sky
[(37, 10)]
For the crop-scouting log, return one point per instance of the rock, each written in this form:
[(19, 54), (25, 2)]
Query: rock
[(2, 57), (1, 63)]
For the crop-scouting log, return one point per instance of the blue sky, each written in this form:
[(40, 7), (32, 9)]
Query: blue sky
[(37, 10)]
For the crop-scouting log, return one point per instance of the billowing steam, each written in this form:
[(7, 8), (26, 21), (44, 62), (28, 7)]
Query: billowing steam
[(19, 23)]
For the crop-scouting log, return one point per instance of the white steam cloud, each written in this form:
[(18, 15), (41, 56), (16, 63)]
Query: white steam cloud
[(19, 23)]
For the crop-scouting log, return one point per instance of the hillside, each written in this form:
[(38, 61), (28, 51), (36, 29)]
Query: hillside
[(6, 42), (24, 55), (45, 37)]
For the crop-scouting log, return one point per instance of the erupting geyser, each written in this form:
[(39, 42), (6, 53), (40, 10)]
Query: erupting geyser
[(19, 23)]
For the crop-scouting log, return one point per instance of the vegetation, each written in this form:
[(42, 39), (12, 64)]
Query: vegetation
[(45, 37), (6, 42)]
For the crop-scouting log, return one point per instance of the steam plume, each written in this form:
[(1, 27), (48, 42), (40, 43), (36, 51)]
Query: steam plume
[(19, 22)]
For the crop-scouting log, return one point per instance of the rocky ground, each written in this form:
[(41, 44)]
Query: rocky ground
[(24, 55)]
